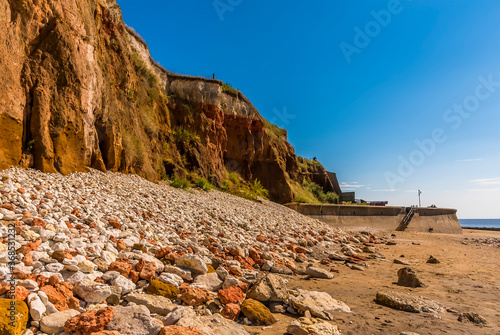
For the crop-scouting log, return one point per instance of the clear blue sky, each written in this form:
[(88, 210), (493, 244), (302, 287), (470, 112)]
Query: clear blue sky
[(356, 84)]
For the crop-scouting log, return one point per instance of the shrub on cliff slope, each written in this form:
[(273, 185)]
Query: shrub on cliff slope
[(234, 184), (203, 184), (319, 194), (178, 182), (228, 89)]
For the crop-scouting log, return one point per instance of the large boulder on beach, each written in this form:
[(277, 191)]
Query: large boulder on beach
[(319, 304), (408, 303)]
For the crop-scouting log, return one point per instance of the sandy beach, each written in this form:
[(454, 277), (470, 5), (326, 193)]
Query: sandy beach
[(467, 279)]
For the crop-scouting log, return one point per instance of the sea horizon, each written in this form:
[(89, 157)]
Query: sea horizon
[(480, 223)]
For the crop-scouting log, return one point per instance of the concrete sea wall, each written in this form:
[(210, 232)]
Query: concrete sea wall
[(441, 220)]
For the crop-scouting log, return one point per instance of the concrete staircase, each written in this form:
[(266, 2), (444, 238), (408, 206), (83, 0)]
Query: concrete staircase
[(406, 220)]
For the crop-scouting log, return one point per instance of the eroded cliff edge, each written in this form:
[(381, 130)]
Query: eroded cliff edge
[(80, 90)]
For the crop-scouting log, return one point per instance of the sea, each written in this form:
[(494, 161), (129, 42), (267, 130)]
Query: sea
[(480, 223)]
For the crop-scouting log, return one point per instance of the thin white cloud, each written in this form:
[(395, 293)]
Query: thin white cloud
[(384, 190), (485, 189), (486, 181), (411, 191), (469, 160), (350, 186)]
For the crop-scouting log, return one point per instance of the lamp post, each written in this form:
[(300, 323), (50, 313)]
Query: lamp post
[(419, 204)]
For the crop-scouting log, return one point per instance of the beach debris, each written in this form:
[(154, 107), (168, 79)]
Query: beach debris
[(472, 318), (408, 303), (432, 260), (407, 277), (390, 243)]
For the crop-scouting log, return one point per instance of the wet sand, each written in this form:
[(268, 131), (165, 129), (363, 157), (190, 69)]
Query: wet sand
[(467, 279)]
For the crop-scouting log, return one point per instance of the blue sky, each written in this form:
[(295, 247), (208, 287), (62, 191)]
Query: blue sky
[(357, 84)]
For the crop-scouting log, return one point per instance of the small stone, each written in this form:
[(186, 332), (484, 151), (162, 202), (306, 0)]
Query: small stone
[(276, 307), (37, 308), (54, 323), (154, 303), (231, 294), (472, 318), (184, 274), (307, 325), (317, 272), (91, 291), (170, 278), (407, 277), (157, 287), (269, 288), (433, 260), (231, 311), (194, 296), (133, 320), (176, 330), (177, 313), (209, 281), (125, 284), (399, 261), (193, 263), (89, 322), (122, 266), (147, 270)]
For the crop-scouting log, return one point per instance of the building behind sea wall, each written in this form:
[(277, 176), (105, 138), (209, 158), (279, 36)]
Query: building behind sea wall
[(437, 220)]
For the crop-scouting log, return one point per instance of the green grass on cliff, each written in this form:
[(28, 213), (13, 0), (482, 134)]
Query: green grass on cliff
[(312, 193), (229, 89), (235, 185), (134, 148), (308, 165), (142, 70), (178, 182), (319, 194), (185, 135), (274, 130)]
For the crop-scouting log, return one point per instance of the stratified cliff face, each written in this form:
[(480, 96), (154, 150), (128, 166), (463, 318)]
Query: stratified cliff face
[(81, 90)]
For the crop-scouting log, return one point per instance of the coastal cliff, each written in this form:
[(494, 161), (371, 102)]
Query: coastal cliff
[(81, 90)]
